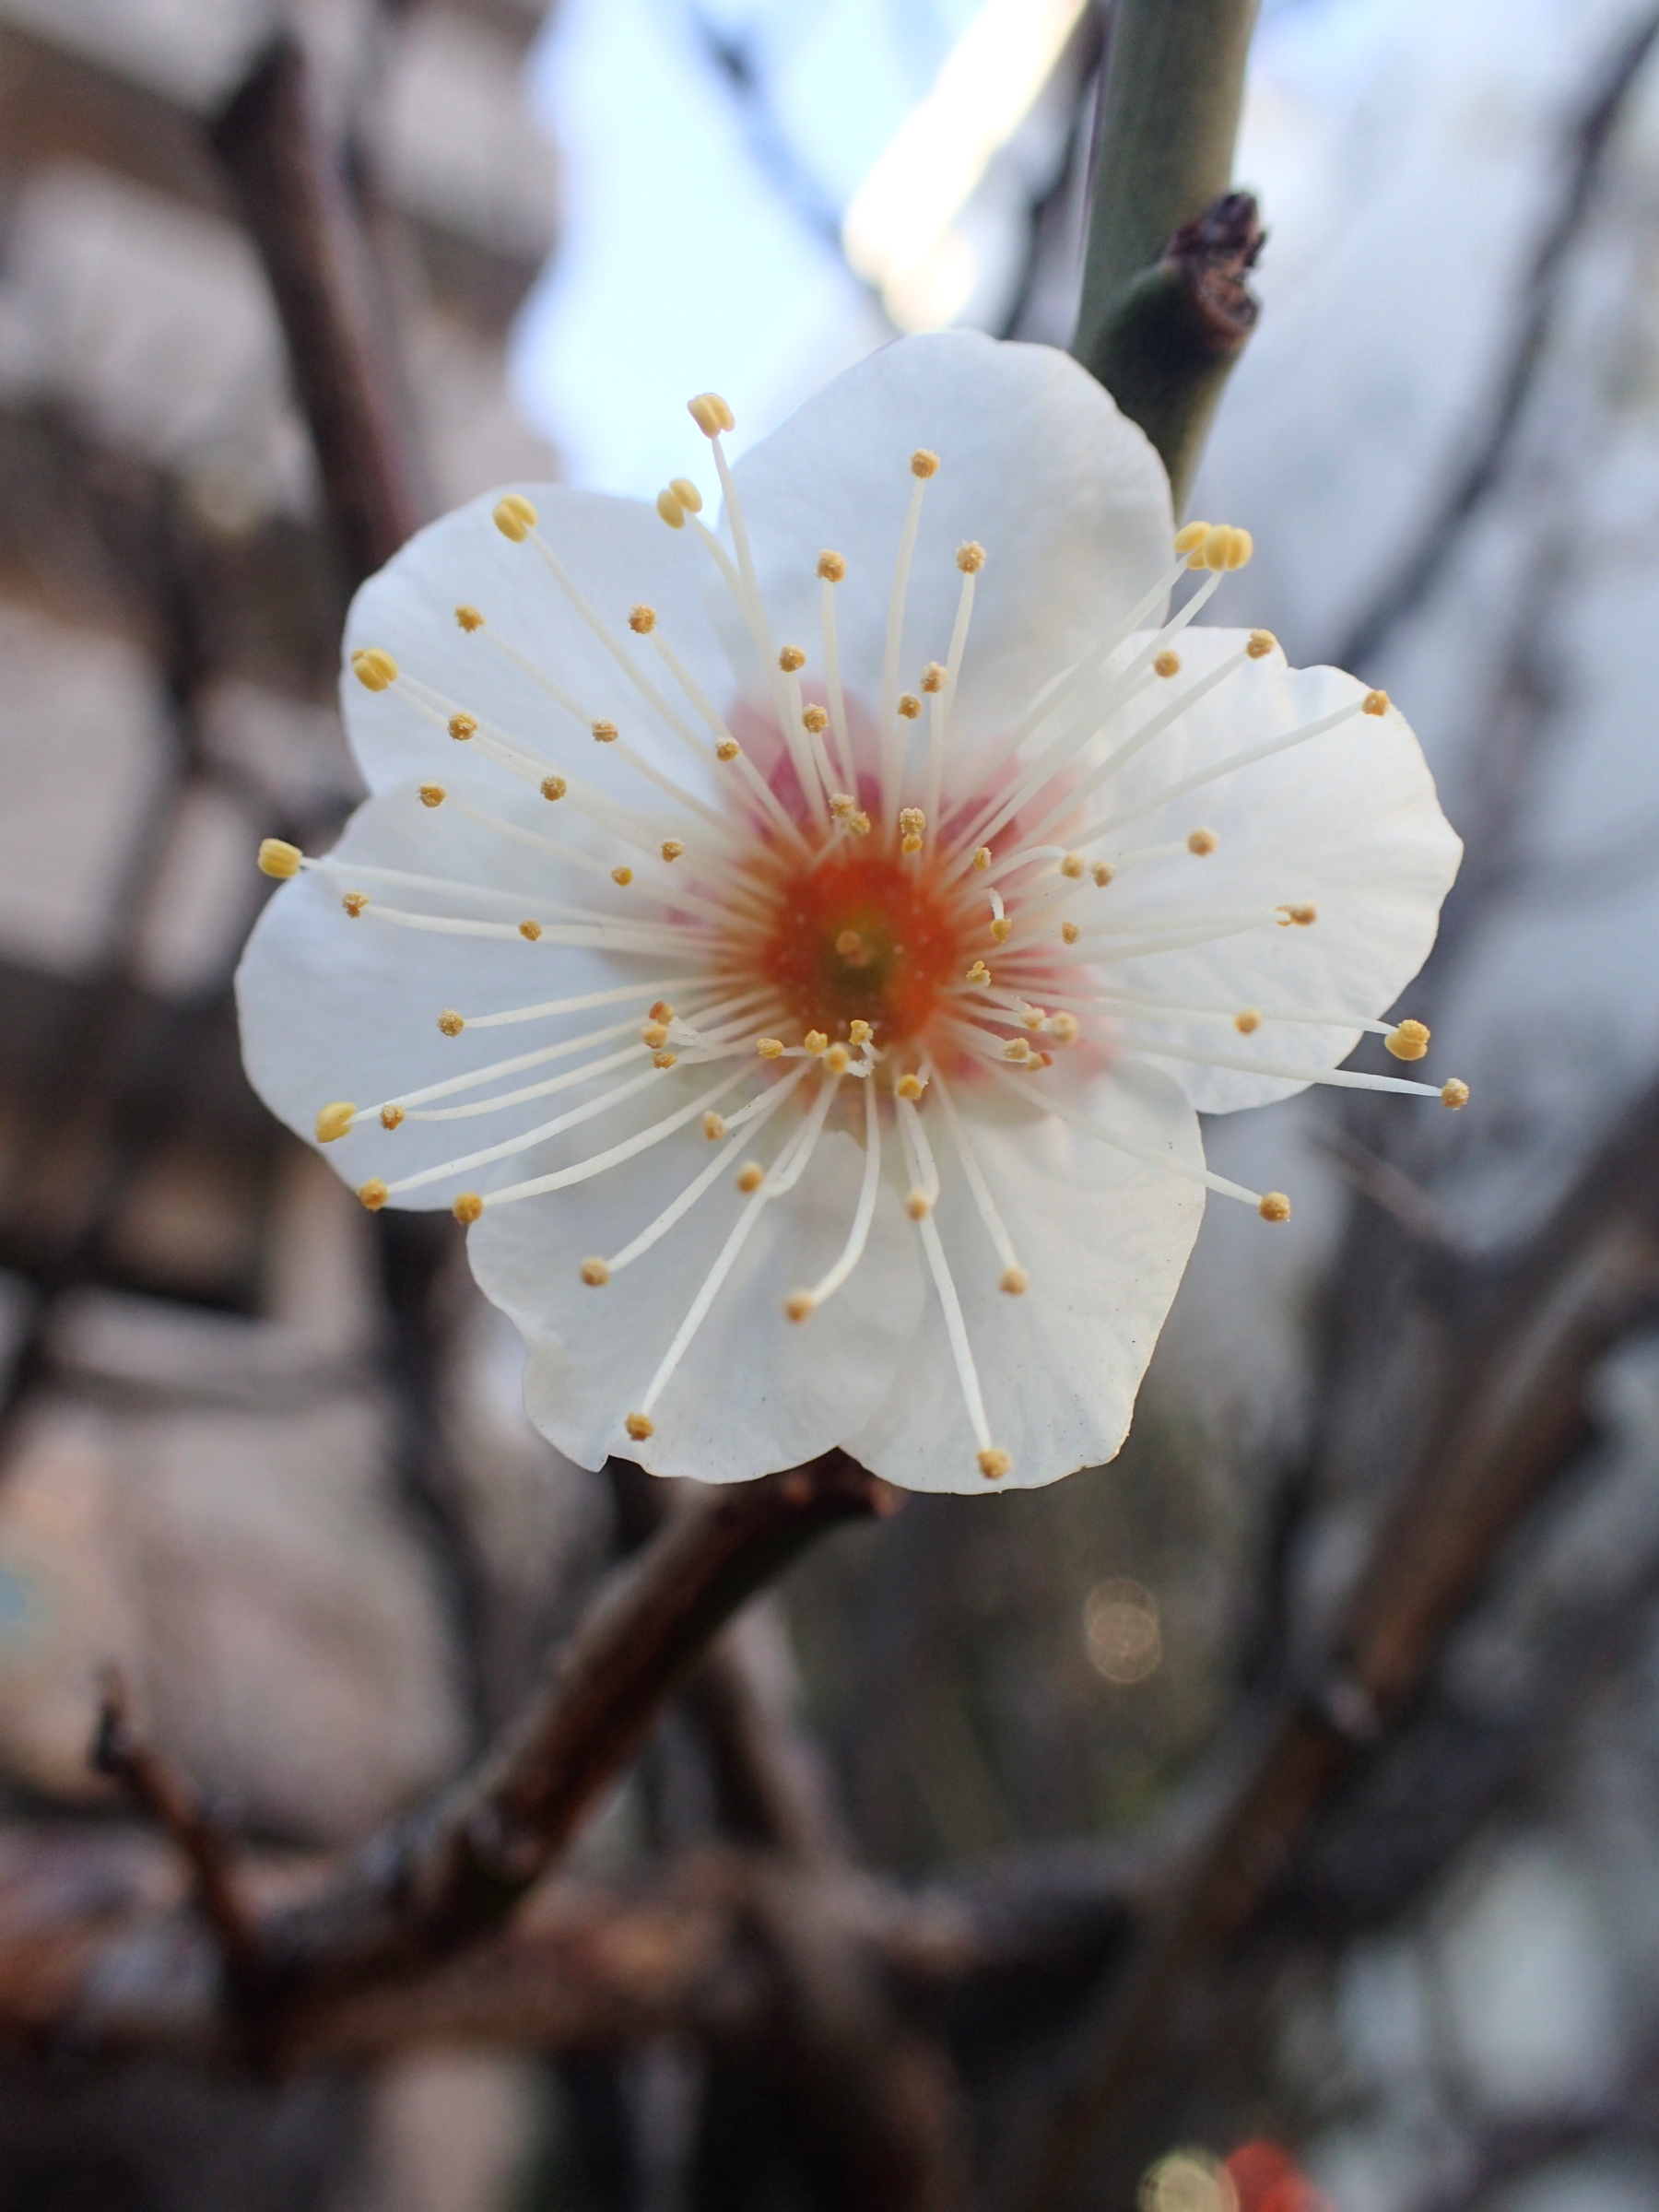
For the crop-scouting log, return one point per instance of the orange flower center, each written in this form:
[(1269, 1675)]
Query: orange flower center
[(862, 937)]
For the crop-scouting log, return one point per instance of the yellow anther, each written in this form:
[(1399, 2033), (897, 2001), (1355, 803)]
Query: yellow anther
[(1303, 917), (686, 493), (661, 1011), (1274, 1206), (530, 931), (1034, 1016), (909, 844), (1167, 664), (815, 1041), (640, 1426), (918, 1206), (799, 1304), (837, 1059), (1102, 872), (594, 1273), (451, 1023), (461, 727), (981, 858), (1190, 538), (623, 876), (641, 619), (515, 517), (1073, 865), (470, 618), (713, 1127), (791, 658), (1217, 545), (909, 1087), (816, 719), (334, 1120), (841, 803), (912, 820), (1261, 643), (1202, 842), (655, 1034), (1374, 702), (375, 670), (433, 795), (1017, 1049), (1062, 1028), (671, 848), (373, 1194), (663, 1059), (391, 1117), (1070, 931), (468, 1207), (971, 557), (750, 1176), (277, 857), (712, 416), (1408, 1040), (1247, 1022), (1002, 929), (979, 973), (671, 510), (554, 787), (909, 706), (1015, 1281), (1454, 1094), (1241, 545), (859, 823), (769, 1048), (727, 749), (859, 1032), (923, 464), (994, 1464), (606, 733), (832, 567), (933, 677), (354, 902)]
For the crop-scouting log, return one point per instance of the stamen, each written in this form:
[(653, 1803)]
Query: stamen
[(623, 991), (833, 569), (277, 857), (994, 1463), (1015, 1279), (807, 1302), (1204, 1177), (1341, 1078), (1234, 761), (923, 465), (756, 1112)]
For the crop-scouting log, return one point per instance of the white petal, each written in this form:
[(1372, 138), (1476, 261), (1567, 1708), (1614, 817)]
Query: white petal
[(1104, 1238), (756, 1392), (1348, 823), (1065, 494)]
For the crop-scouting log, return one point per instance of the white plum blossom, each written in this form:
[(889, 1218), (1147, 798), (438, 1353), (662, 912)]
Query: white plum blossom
[(802, 950)]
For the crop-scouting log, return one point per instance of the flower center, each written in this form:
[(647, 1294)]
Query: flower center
[(862, 937)]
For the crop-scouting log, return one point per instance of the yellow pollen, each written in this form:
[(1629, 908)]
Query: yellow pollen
[(530, 931), (841, 803), (712, 416), (971, 557), (837, 1059), (750, 1175), (859, 823), (468, 1207), (1261, 643), (815, 1041), (769, 1048), (791, 658), (433, 795), (606, 733), (554, 787), (1167, 664), (933, 677), (1374, 702), (1304, 917), (727, 749), (373, 1194), (1247, 1022), (1002, 929), (1454, 1094), (909, 706), (354, 902), (923, 464), (918, 1206), (909, 844), (277, 857), (451, 1023), (515, 517), (832, 567), (713, 1127), (1062, 1028), (391, 1117), (859, 1032), (461, 727), (663, 1059), (994, 1464), (1202, 843), (470, 618), (1409, 1041), (979, 973), (640, 1426), (671, 848), (982, 859), (672, 513), (334, 1120), (1070, 931), (909, 1087), (1034, 1016), (1102, 873), (1073, 865), (912, 820), (798, 1304), (641, 619), (686, 493), (623, 875), (1015, 1281), (816, 719), (375, 670), (594, 1273), (1274, 1206), (1017, 1049), (661, 1011), (654, 1034)]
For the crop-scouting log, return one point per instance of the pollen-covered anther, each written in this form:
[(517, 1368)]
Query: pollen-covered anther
[(1065, 1028), (1074, 866), (909, 1087), (1017, 1049), (769, 1048), (594, 1273), (373, 1195), (515, 517), (1102, 873), (640, 1426), (837, 1059), (979, 973), (815, 1041), (641, 619), (1247, 1022), (663, 1059), (1015, 1281), (1408, 1039), (530, 930), (933, 677), (671, 510), (606, 733), (655, 1034), (1202, 842), (1274, 1206), (1167, 664), (750, 1176), (1454, 1094), (816, 719), (1033, 1017), (334, 1121), (623, 876), (391, 1117), (994, 1463), (799, 1304), (909, 706), (354, 902), (713, 1127), (859, 1032), (554, 787), (1374, 702), (923, 464), (971, 557), (375, 670), (671, 848), (686, 493), (1002, 929), (661, 1011), (277, 857), (470, 618), (791, 659), (918, 1204), (1260, 644), (912, 826), (1303, 917), (1070, 931), (727, 749), (451, 1023), (461, 727), (859, 823), (843, 803), (712, 416), (981, 858), (468, 1208), (1190, 538), (433, 795), (832, 567)]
